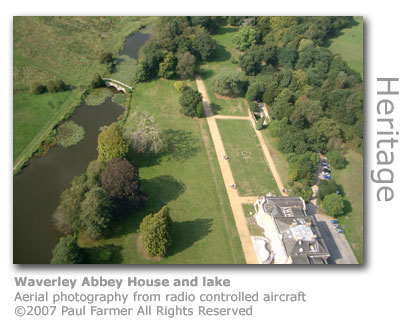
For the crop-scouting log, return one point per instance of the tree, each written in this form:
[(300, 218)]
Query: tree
[(190, 100), (255, 91), (37, 88), (250, 61), (67, 215), (260, 123), (167, 66), (336, 159), (230, 84), (245, 38), (111, 144), (282, 106), (333, 204), (96, 213), (143, 133), (253, 106), (156, 230), (142, 73), (204, 45), (326, 187), (235, 20), (121, 180), (67, 251), (287, 56), (186, 66), (97, 81), (106, 57)]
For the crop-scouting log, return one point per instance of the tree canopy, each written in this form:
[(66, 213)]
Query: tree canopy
[(156, 230), (111, 144), (121, 181), (67, 251)]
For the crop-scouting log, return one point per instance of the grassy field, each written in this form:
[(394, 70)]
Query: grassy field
[(65, 48), (221, 63), (351, 180), (250, 169), (188, 180), (278, 158), (349, 44)]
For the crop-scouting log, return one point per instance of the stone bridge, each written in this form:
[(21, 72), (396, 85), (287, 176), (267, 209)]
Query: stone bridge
[(118, 85)]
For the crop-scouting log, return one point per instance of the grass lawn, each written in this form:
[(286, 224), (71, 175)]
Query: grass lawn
[(349, 44), (250, 169), (278, 158), (33, 114), (188, 180), (221, 63), (66, 48), (351, 179)]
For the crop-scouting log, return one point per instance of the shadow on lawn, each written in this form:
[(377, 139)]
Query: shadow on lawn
[(180, 145), (187, 233), (159, 190)]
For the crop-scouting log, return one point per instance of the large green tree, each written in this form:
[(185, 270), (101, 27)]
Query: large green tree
[(96, 213), (204, 45), (156, 230), (245, 38), (111, 143), (190, 100), (333, 204), (121, 181), (67, 251), (186, 65)]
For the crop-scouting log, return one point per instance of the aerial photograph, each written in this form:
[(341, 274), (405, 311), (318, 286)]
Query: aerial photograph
[(188, 140)]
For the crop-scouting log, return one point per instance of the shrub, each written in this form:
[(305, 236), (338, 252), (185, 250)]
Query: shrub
[(69, 133), (336, 159), (333, 204), (260, 123), (96, 213), (111, 144), (67, 251), (179, 85), (230, 84), (156, 232), (121, 180), (37, 88)]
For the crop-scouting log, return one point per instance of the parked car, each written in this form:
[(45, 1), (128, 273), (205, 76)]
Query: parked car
[(326, 170), (334, 221), (326, 176), (339, 230)]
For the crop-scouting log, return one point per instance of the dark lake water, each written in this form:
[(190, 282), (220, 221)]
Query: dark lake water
[(133, 44), (37, 189)]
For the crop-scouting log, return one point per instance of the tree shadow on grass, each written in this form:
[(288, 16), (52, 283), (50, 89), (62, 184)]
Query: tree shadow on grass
[(159, 190), (224, 30), (215, 108), (186, 233), (181, 145), (108, 254), (206, 74), (221, 54)]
